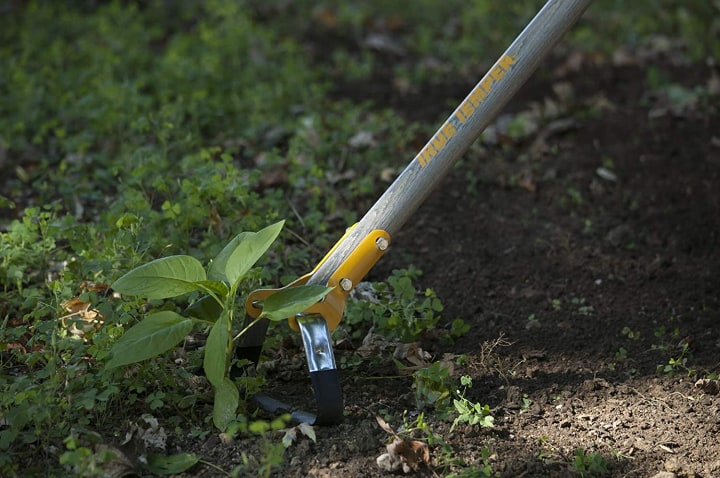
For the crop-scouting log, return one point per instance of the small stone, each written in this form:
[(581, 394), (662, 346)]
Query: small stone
[(388, 462), (664, 474)]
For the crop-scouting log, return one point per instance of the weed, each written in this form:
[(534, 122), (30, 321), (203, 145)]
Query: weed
[(525, 405), (630, 334), (589, 464), (470, 412), (668, 340), (678, 364), (532, 322), (271, 455), (556, 304), (446, 460), (433, 386), (490, 361), (583, 308), (399, 311), (83, 461)]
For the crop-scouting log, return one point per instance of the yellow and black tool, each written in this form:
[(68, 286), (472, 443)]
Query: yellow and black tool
[(363, 244)]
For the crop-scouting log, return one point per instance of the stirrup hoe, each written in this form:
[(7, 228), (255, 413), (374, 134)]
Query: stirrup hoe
[(363, 244)]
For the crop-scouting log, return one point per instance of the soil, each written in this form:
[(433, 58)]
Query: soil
[(584, 254)]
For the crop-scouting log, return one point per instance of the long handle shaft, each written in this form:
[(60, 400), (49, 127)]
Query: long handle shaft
[(461, 129)]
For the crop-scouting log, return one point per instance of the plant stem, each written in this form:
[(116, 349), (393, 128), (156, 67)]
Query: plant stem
[(239, 334)]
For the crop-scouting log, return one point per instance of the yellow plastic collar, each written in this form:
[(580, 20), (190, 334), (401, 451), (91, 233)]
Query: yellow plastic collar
[(343, 280)]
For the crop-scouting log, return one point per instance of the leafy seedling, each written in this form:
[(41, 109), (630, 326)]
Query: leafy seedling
[(178, 275)]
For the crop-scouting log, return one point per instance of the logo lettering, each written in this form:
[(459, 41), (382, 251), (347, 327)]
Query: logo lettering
[(466, 109)]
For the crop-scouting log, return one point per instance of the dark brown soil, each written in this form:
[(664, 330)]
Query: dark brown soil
[(577, 282)]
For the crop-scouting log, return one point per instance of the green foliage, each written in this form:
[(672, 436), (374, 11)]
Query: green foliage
[(445, 458), (469, 412), (135, 131), (589, 464), (25, 249), (172, 464), (433, 386), (179, 275), (400, 312), (272, 452), (678, 364), (82, 461)]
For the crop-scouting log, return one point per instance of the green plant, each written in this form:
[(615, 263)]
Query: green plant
[(482, 470), (446, 461), (401, 312), (630, 334), (271, 454), (470, 412), (678, 364), (175, 276), (82, 460), (589, 464), (102, 460), (432, 386)]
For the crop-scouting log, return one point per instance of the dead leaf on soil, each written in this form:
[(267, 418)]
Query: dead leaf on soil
[(81, 318), (374, 345), (146, 433), (414, 354), (407, 455)]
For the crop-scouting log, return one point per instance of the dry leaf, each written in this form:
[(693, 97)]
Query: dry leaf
[(411, 453), (81, 318), (384, 425), (413, 354)]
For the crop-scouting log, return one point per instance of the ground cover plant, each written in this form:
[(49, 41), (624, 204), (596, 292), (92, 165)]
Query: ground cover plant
[(565, 319)]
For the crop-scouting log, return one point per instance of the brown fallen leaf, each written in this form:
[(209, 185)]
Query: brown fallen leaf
[(407, 455), (384, 425), (81, 318), (413, 354), (412, 453)]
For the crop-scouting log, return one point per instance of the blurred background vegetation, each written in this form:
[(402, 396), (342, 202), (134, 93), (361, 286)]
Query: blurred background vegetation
[(132, 130)]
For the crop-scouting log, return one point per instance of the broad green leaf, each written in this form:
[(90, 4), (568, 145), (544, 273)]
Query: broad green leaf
[(215, 360), (292, 300), (227, 399), (170, 465), (241, 253), (205, 308), (157, 333), (219, 288), (162, 278)]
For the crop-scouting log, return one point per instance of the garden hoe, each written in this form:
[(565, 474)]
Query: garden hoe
[(364, 243)]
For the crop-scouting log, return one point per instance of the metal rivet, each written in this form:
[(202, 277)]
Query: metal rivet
[(346, 284), (381, 243)]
